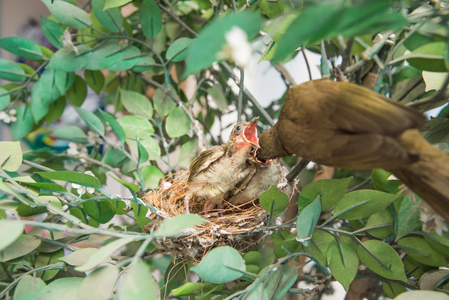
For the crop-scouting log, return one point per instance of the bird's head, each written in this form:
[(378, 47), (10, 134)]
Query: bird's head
[(256, 159), (244, 135)]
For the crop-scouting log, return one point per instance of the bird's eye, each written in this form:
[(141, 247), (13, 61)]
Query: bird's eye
[(238, 128)]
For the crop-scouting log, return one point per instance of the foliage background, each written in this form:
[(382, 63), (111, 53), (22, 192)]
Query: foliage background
[(60, 231)]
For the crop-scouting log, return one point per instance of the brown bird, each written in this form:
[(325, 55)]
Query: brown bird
[(217, 170), (345, 125), (267, 173)]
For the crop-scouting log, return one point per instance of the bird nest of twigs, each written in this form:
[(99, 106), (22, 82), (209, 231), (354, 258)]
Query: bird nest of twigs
[(235, 226)]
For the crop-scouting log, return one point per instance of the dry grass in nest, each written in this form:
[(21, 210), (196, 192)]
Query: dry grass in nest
[(234, 226)]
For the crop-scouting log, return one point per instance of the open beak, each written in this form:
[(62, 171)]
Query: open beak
[(250, 133), (261, 160)]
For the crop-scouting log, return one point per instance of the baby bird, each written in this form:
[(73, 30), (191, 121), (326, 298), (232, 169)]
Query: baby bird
[(267, 173), (217, 170)]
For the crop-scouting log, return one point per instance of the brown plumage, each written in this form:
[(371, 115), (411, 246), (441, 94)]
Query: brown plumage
[(265, 175), (345, 125), (217, 170)]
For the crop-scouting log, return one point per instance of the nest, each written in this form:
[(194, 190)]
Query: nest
[(235, 226)]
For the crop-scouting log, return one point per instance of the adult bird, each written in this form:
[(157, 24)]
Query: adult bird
[(217, 170), (345, 125)]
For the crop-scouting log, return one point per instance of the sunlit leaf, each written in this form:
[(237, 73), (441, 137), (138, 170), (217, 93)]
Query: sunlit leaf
[(177, 225), (138, 281), (28, 287), (62, 288), (10, 156), (10, 232), (104, 254), (99, 284), (68, 14), (177, 51), (136, 103), (214, 269), (343, 260), (178, 123)]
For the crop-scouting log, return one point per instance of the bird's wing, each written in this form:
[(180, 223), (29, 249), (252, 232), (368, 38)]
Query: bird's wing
[(348, 108), (205, 159)]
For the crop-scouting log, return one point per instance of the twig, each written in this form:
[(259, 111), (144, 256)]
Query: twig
[(288, 78), (297, 169), (240, 98), (303, 51)]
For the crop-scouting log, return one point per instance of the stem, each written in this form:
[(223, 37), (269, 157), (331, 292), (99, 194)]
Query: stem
[(240, 99)]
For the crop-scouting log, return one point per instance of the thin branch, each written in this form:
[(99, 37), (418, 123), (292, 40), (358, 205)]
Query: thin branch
[(240, 98), (288, 78)]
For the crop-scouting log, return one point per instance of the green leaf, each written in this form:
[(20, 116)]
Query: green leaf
[(68, 14), (140, 214), (131, 186), (429, 57), (203, 51), (214, 269), (99, 284), (408, 216), (337, 18), (62, 288), (91, 120), (100, 211), (20, 247), (151, 176), (10, 156), (307, 220), (55, 110), (5, 97), (113, 57), (419, 295), (217, 94), (53, 32), (187, 153), (79, 257), (45, 259), (176, 225), (163, 103), (418, 249), (384, 217), (363, 203), (197, 289), (24, 123), (77, 92), (177, 51), (331, 191), (280, 281), (10, 231), (178, 123), (28, 287), (115, 125), (22, 47), (379, 178), (143, 154), (11, 71), (136, 127), (95, 80), (274, 198), (382, 259), (286, 245), (136, 103), (152, 148), (392, 289), (150, 18), (320, 243), (114, 158), (69, 61), (144, 63), (343, 260), (70, 133), (103, 254), (54, 83), (114, 3), (110, 18), (138, 281), (439, 243), (72, 176)]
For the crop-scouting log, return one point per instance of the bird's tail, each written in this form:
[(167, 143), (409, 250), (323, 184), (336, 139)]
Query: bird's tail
[(429, 175)]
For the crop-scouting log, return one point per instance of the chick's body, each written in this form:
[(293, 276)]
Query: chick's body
[(263, 178), (218, 170)]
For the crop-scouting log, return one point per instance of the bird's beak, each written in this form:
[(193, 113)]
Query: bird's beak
[(250, 133), (260, 159)]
